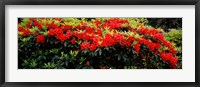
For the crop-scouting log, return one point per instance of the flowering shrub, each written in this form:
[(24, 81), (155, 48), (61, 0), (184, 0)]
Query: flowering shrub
[(99, 43)]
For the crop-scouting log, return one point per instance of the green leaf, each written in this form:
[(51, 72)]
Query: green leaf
[(119, 57), (66, 63), (100, 52), (65, 44)]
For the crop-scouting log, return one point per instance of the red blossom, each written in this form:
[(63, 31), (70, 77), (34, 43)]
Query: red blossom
[(26, 32), (20, 29), (67, 27), (115, 23), (172, 50), (68, 34), (96, 40), (125, 43), (89, 30), (157, 46), (99, 32), (97, 23), (86, 36), (52, 25), (84, 45), (119, 37), (40, 39), (173, 62), (143, 41), (61, 37), (58, 31), (167, 57), (37, 24), (92, 47), (51, 32), (153, 31), (158, 36), (164, 56), (151, 46), (131, 39), (108, 40), (73, 41), (144, 31), (137, 47), (78, 35), (28, 25)]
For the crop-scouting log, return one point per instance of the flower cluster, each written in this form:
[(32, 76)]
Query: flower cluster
[(40, 39), (101, 34), (25, 32), (168, 57), (115, 23)]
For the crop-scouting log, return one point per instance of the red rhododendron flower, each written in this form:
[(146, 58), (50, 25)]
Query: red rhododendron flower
[(79, 27), (173, 62), (68, 34), (143, 41), (165, 43), (37, 24), (151, 46), (67, 27), (114, 23), (73, 41), (104, 26), (125, 43), (166, 56), (92, 47), (99, 32), (84, 45), (96, 40), (89, 30), (131, 38), (169, 45), (51, 26), (28, 25), (153, 31), (20, 29), (78, 35), (108, 40), (97, 23), (119, 25), (51, 32), (172, 50), (58, 31), (158, 36), (137, 47), (61, 37), (163, 56), (119, 37), (144, 31), (26, 32), (86, 37), (40, 39), (157, 46)]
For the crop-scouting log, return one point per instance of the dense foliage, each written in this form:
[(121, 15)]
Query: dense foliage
[(165, 23), (99, 43)]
